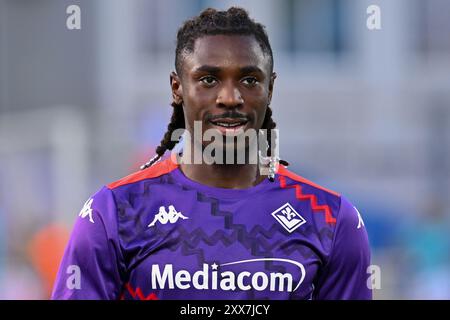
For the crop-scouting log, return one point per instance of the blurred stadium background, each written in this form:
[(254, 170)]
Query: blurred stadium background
[(366, 113)]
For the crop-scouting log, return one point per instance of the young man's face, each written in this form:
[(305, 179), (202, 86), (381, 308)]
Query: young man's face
[(226, 83)]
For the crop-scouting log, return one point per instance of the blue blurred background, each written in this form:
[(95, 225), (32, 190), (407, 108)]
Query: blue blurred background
[(364, 112)]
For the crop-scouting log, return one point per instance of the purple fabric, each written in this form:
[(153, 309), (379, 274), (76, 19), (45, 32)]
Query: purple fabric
[(215, 243)]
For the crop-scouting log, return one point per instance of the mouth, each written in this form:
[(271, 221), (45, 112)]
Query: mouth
[(229, 125)]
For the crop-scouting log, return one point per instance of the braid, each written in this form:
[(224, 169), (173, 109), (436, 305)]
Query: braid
[(269, 124), (176, 122)]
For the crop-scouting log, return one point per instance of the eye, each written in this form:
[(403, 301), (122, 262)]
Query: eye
[(250, 81), (208, 80)]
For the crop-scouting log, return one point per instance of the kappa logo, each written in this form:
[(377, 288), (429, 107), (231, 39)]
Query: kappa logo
[(164, 217), (288, 217), (360, 219), (87, 211)]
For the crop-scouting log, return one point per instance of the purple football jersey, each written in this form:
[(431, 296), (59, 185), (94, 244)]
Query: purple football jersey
[(156, 234)]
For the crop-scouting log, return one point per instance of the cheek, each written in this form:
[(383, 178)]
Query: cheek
[(202, 96), (195, 104), (198, 101), (261, 115), (259, 109), (190, 115)]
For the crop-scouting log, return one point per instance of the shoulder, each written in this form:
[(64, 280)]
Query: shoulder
[(287, 175), (103, 204), (340, 208), (348, 214), (320, 198), (157, 170)]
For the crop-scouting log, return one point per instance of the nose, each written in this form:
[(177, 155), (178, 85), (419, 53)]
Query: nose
[(229, 96)]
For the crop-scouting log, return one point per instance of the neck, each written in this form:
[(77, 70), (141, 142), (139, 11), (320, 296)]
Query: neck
[(224, 176)]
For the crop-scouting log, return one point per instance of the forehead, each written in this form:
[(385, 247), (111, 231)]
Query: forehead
[(227, 52)]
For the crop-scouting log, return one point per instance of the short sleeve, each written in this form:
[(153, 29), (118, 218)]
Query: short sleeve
[(91, 267), (344, 276)]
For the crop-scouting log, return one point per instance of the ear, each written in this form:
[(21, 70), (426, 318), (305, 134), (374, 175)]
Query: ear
[(177, 89), (271, 83)]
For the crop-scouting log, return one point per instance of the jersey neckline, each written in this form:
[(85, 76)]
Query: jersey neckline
[(179, 176)]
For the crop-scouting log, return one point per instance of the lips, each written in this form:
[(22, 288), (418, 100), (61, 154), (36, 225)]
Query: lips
[(229, 125), (229, 122)]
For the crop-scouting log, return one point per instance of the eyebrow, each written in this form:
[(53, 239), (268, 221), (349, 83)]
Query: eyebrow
[(207, 69), (215, 70), (251, 69)]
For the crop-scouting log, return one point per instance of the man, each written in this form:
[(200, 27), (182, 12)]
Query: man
[(196, 230)]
